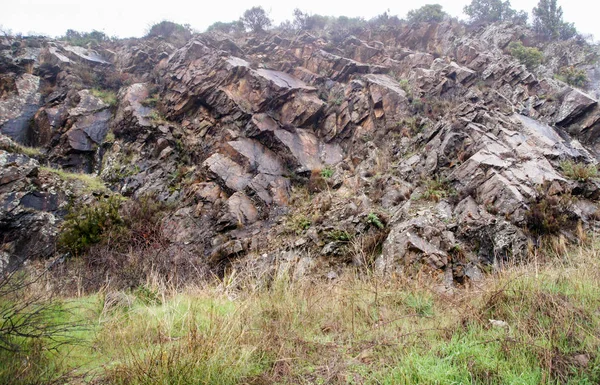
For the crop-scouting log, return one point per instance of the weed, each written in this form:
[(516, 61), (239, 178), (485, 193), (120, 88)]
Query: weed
[(549, 215), (327, 172), (436, 189), (90, 183), (573, 76), (107, 96), (579, 171), (373, 219)]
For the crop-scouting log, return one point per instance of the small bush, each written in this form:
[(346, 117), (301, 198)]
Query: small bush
[(530, 57), (373, 219), (327, 172), (256, 19), (83, 39), (573, 76), (548, 215), (578, 171), (436, 189), (87, 225), (107, 96), (168, 28)]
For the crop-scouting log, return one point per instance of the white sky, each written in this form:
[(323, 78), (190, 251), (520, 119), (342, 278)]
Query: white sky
[(127, 18)]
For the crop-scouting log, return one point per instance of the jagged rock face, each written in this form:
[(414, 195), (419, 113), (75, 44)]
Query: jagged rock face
[(227, 129)]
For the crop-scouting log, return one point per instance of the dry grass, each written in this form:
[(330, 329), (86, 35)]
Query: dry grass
[(358, 329)]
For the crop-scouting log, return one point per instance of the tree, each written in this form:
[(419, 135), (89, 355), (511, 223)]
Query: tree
[(490, 11), (306, 22), (548, 21), (431, 13), (256, 19), (231, 27)]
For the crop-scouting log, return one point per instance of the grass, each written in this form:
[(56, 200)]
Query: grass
[(436, 189), (360, 329), (88, 182), (109, 97), (578, 171), (32, 152)]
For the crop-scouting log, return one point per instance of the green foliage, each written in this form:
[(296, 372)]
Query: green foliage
[(339, 235), (306, 22), (373, 219), (85, 38), (548, 21), (168, 28), (109, 97), (573, 76), (530, 57), (436, 189), (420, 303), (327, 172), (231, 27), (579, 171), (490, 11), (89, 224), (296, 224), (256, 19), (430, 13)]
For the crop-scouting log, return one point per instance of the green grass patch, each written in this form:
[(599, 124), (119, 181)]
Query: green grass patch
[(88, 182)]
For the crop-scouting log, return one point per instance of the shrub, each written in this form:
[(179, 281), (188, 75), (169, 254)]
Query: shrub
[(85, 38), (573, 76), (436, 189), (107, 96), (530, 57), (578, 171), (231, 27), (256, 19), (547, 215), (430, 13), (87, 225), (373, 219), (168, 28), (327, 172)]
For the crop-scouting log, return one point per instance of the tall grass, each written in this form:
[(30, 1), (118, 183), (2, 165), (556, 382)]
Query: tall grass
[(531, 324)]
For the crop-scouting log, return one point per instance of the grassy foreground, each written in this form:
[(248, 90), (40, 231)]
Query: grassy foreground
[(534, 324)]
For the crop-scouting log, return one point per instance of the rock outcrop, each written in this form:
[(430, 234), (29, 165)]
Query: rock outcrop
[(420, 145)]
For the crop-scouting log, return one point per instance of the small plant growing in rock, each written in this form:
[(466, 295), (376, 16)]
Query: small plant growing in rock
[(373, 219), (530, 57), (107, 96), (578, 171), (339, 235), (436, 189), (86, 225), (327, 172), (573, 76), (547, 214)]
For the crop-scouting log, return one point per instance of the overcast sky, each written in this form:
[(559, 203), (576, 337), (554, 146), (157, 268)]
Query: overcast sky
[(127, 18)]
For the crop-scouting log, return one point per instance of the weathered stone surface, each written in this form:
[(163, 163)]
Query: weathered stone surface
[(574, 103), (19, 107)]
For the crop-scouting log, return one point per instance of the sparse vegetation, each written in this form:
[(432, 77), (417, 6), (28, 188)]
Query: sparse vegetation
[(168, 28), (573, 76), (490, 11), (435, 189), (109, 97), (530, 57), (373, 219), (578, 171), (84, 39), (548, 215), (88, 182), (327, 172)]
